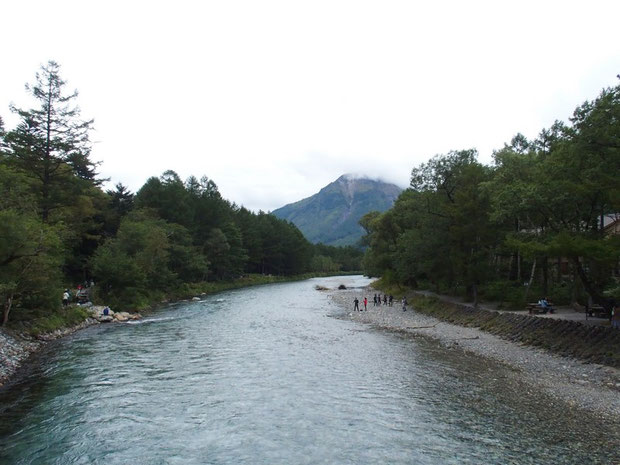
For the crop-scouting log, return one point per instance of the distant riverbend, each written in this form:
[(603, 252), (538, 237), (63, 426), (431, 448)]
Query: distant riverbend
[(280, 374)]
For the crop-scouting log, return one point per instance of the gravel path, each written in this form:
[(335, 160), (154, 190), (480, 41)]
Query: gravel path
[(586, 385)]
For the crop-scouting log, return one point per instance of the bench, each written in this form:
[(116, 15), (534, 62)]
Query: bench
[(533, 308)]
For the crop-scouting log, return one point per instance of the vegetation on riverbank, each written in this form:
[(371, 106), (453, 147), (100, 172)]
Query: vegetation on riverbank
[(37, 323), (58, 227), (34, 323), (542, 220)]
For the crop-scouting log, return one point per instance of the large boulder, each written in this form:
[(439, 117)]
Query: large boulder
[(105, 314), (101, 313)]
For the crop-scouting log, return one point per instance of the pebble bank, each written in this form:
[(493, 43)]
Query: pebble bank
[(15, 348), (579, 383)]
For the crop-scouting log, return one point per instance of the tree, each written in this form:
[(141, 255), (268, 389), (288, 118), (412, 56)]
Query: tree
[(135, 263), (51, 143), (30, 250), (120, 203)]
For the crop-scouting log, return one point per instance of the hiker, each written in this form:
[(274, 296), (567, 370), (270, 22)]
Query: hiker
[(391, 299), (375, 301), (365, 304), (384, 299), (356, 306), (65, 298), (404, 302)]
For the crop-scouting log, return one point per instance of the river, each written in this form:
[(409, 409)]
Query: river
[(278, 374)]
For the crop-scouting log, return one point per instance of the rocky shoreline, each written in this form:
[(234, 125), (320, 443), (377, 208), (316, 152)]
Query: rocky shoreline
[(583, 385), (16, 348)]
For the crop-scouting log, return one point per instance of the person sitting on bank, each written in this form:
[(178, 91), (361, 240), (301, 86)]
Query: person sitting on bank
[(546, 306)]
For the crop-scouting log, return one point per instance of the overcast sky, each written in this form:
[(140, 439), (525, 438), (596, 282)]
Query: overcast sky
[(275, 99)]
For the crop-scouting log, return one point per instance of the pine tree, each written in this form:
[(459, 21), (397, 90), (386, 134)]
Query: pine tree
[(51, 143)]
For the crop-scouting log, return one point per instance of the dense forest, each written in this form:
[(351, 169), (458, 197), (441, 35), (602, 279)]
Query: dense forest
[(59, 227), (542, 220)]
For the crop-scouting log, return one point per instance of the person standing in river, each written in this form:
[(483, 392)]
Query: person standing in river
[(365, 304), (356, 305), (384, 299), (374, 301), (390, 300)]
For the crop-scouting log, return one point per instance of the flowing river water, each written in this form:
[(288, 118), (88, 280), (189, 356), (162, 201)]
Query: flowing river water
[(277, 374)]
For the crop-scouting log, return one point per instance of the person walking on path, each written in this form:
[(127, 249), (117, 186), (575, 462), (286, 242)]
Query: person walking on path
[(356, 305), (404, 302), (365, 304)]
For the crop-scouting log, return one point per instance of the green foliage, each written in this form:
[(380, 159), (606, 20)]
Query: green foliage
[(51, 143), (30, 251), (536, 216), (58, 319), (57, 225)]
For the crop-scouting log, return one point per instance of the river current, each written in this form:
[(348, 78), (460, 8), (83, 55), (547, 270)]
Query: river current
[(277, 374)]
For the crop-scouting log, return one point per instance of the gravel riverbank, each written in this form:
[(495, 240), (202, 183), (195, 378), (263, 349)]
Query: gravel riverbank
[(585, 385), (15, 349)]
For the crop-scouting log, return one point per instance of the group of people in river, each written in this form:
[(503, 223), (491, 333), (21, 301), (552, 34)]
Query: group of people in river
[(377, 300)]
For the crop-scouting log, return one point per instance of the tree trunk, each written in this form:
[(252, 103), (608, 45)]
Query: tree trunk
[(474, 291), (529, 284), (574, 289), (590, 288), (7, 309)]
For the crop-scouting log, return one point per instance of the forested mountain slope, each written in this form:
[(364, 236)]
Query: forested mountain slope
[(331, 216)]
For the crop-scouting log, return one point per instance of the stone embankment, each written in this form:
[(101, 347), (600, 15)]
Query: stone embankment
[(595, 344), (15, 348)]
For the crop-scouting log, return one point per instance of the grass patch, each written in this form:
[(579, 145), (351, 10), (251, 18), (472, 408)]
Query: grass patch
[(65, 317)]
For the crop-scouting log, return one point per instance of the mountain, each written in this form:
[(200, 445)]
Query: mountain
[(331, 216)]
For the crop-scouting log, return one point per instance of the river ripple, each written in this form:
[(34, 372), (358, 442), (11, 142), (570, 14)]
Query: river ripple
[(272, 375)]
